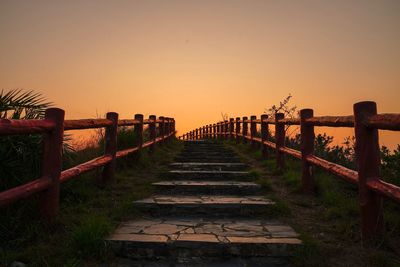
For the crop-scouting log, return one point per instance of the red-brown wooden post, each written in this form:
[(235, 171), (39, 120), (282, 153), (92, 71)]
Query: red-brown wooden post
[(226, 129), (173, 128), (280, 140), (161, 127), (368, 162), (138, 130), (214, 131), (152, 131), (222, 129), (253, 130), (244, 131), (210, 126), (218, 130), (167, 128), (231, 128), (110, 148), (237, 129), (51, 165), (204, 132), (307, 149), (197, 134), (264, 135)]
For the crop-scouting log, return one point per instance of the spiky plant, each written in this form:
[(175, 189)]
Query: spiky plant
[(19, 104), (20, 155)]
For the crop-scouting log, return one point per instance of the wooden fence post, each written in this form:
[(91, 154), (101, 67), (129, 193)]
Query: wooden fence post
[(264, 135), (218, 130), (138, 130), (368, 163), (226, 126), (231, 128), (167, 127), (244, 129), (214, 131), (52, 163), (152, 131), (280, 140), (110, 149), (307, 149), (173, 128), (253, 130), (161, 128), (210, 131), (237, 129), (197, 134)]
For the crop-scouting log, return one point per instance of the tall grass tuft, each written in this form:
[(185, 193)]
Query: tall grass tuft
[(88, 237)]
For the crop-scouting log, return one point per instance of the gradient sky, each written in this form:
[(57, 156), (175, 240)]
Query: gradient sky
[(195, 59)]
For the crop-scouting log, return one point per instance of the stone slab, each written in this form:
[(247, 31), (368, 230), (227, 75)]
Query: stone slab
[(200, 205), (203, 237)]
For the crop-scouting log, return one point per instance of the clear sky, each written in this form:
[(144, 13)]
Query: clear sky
[(193, 60)]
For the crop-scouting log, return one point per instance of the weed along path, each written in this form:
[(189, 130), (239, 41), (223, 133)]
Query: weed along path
[(207, 212)]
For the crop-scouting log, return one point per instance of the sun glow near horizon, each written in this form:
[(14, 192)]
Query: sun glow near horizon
[(193, 60)]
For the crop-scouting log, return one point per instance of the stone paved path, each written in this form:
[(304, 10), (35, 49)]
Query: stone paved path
[(207, 213)]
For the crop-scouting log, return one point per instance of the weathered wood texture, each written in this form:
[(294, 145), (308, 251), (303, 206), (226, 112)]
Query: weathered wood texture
[(365, 122), (52, 127)]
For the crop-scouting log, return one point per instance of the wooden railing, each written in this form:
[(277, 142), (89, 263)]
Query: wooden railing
[(365, 122), (52, 127)]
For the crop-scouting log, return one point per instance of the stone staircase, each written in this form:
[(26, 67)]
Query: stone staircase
[(207, 213)]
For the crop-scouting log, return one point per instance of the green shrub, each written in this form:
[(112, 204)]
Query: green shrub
[(88, 237)]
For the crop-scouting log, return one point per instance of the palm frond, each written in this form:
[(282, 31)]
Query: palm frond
[(21, 104)]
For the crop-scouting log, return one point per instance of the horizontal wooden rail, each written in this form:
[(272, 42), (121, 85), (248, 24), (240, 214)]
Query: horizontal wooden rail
[(365, 122), (129, 122), (84, 167), (389, 190), (292, 152), (86, 124), (52, 128), (14, 127), (336, 169), (384, 122), (331, 121), (23, 191)]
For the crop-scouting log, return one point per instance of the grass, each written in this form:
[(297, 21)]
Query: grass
[(329, 221), (87, 215)]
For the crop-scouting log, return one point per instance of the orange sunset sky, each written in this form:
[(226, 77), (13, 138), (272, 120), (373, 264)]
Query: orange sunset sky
[(193, 60)]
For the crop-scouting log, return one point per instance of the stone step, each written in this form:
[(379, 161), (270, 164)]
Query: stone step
[(207, 153), (220, 175), (188, 239), (208, 159), (231, 261), (205, 150), (200, 205), (204, 166), (208, 187)]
